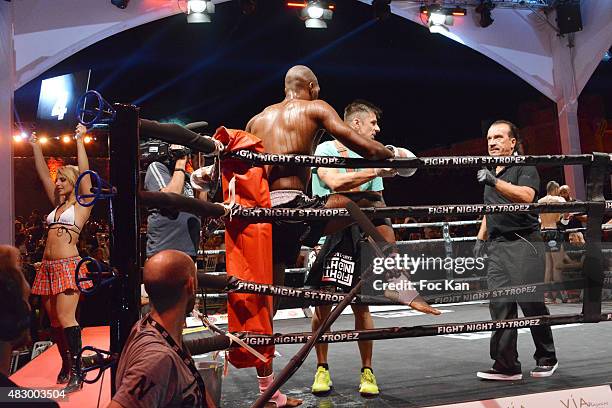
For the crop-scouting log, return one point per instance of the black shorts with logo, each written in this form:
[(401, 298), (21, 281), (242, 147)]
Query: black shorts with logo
[(553, 239)]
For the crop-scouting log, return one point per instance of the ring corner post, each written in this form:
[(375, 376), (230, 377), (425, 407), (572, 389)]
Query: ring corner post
[(593, 264), (125, 223)]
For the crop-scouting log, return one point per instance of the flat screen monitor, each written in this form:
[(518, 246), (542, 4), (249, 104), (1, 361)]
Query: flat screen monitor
[(58, 99)]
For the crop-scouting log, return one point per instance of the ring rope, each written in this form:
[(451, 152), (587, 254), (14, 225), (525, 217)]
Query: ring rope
[(307, 214), (323, 296), (416, 162), (421, 331)]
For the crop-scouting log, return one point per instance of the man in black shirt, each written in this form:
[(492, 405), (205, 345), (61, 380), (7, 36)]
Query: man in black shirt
[(516, 256)]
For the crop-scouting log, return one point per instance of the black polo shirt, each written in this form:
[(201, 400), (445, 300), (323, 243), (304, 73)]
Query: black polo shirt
[(499, 224)]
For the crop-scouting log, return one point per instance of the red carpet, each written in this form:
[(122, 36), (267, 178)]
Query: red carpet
[(43, 370)]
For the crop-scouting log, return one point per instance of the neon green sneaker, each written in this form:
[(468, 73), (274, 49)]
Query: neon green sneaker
[(368, 386), (322, 381)]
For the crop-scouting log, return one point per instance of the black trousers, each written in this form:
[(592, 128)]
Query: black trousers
[(515, 262)]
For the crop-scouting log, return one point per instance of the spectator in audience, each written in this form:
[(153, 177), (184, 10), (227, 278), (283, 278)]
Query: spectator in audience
[(14, 315)]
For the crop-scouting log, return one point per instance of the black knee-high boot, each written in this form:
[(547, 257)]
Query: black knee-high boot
[(57, 335), (73, 338)]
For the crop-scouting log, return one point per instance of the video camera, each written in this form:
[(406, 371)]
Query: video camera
[(159, 151)]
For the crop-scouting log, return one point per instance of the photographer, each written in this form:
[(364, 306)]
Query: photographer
[(178, 230)]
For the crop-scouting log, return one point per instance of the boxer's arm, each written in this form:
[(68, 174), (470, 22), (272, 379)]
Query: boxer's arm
[(327, 117), (339, 182)]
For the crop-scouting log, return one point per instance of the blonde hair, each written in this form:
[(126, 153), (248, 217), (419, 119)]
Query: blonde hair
[(578, 237), (71, 173)]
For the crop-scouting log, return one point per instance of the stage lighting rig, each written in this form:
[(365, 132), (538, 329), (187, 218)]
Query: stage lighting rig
[(199, 11), (314, 12)]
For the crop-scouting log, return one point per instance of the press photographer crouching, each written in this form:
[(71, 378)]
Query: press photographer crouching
[(166, 172)]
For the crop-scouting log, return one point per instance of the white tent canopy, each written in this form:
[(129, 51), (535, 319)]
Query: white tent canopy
[(43, 33)]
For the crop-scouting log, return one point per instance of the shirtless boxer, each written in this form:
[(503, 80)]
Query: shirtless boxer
[(292, 127), (553, 238)]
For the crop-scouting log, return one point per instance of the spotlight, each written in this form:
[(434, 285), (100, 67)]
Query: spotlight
[(198, 11), (20, 137), (484, 8), (66, 139), (314, 12), (382, 9), (437, 18), (43, 139), (120, 3), (87, 139)]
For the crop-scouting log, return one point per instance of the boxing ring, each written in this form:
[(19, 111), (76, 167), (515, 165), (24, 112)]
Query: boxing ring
[(126, 198)]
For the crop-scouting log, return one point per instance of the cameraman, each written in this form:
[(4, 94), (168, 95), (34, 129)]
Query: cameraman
[(176, 230)]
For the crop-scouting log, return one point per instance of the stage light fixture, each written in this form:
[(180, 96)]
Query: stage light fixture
[(199, 11), (459, 12), (438, 29), (87, 139), (43, 139), (484, 8), (314, 12), (20, 137), (382, 9), (120, 3), (439, 18), (66, 139)]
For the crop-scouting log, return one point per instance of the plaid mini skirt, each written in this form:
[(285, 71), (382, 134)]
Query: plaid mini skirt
[(57, 275)]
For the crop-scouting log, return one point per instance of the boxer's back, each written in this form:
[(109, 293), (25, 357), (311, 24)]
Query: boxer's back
[(288, 127), (549, 220)]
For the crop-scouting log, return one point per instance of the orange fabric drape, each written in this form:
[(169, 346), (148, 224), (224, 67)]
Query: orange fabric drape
[(248, 246)]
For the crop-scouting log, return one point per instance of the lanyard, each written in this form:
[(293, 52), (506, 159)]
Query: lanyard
[(187, 360)]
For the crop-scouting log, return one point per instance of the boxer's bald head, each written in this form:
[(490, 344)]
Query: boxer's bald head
[(301, 81), (170, 280)]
